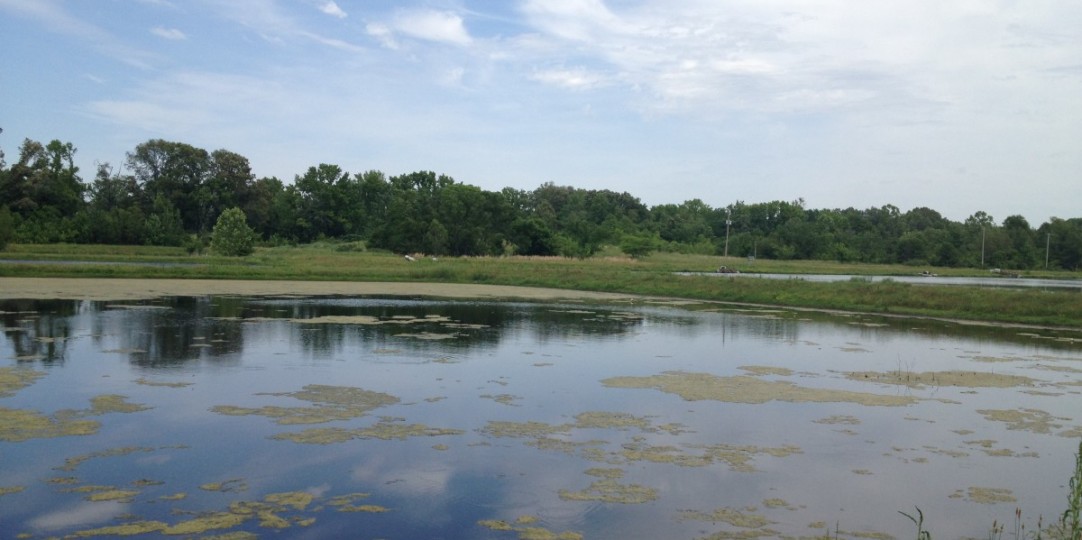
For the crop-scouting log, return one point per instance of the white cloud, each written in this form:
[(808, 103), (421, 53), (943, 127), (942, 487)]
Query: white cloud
[(332, 9), (168, 33), (575, 79), (572, 19), (383, 34), (440, 26), (332, 42)]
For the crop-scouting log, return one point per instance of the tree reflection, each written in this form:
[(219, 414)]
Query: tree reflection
[(172, 331)]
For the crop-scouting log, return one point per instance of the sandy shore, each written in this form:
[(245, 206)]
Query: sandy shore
[(135, 289)]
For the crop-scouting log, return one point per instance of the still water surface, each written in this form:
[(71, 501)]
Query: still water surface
[(338, 417)]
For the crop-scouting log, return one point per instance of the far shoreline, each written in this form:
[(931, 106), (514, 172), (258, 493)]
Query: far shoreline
[(105, 289)]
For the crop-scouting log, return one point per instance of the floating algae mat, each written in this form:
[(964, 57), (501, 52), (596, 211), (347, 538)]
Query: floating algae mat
[(241, 417)]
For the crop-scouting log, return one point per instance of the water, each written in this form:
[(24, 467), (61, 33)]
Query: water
[(486, 419)]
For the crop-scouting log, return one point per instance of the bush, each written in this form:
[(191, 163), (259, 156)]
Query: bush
[(638, 246), (232, 236)]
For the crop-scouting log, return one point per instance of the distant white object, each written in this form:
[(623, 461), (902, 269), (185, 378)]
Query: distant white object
[(410, 259)]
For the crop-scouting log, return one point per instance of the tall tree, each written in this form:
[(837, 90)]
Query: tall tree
[(177, 172)]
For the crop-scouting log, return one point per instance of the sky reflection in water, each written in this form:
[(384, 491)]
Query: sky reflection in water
[(657, 466)]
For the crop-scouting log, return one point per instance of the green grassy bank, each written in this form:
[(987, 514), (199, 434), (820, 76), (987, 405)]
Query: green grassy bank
[(653, 275)]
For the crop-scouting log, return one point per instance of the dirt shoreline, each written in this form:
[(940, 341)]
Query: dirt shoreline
[(145, 289)]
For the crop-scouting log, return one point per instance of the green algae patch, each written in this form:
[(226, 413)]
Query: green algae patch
[(17, 425), (496, 525), (113, 403), (502, 399), (342, 501), (317, 436), (638, 451), (529, 429), (748, 389), (211, 522), (609, 420), (340, 319), (961, 379), (608, 489), (72, 463), (767, 370), (365, 508), (293, 415), (1034, 420), (347, 503), (732, 516), (8, 490), (738, 457), (383, 430), (297, 500), (330, 404), (118, 495), (523, 525), (13, 379), (985, 495), (397, 431), (229, 486), (368, 320), (839, 419), (777, 503), (127, 529), (346, 396)]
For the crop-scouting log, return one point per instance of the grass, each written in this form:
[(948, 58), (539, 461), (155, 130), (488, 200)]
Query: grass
[(653, 275)]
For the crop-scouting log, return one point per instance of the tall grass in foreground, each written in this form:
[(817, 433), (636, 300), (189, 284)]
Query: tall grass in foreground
[(1071, 523), (1069, 526)]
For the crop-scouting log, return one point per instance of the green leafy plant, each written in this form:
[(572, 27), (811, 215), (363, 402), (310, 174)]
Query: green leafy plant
[(232, 236), (1072, 527), (922, 533)]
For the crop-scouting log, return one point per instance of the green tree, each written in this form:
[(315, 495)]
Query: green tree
[(232, 236), (163, 227), (638, 246), (176, 171), (435, 242), (7, 227)]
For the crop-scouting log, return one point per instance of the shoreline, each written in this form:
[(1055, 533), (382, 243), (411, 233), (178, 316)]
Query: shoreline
[(104, 289)]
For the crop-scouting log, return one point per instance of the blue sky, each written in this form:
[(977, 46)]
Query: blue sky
[(957, 105)]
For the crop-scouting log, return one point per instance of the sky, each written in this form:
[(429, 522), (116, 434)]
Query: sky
[(956, 105)]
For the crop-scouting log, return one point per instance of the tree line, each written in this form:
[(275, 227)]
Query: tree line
[(173, 193)]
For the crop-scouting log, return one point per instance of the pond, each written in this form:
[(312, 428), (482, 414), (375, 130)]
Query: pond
[(369, 417)]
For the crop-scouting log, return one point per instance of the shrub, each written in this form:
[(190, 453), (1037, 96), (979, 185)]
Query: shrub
[(232, 236)]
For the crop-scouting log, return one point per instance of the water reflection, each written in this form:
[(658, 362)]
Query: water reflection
[(498, 418)]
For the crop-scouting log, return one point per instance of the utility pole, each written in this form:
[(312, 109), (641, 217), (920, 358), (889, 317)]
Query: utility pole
[(728, 222), (982, 246), (1047, 243)]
